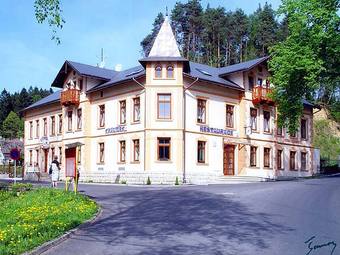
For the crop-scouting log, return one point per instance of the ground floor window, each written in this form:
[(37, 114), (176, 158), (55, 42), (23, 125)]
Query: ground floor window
[(122, 151), (201, 152), (279, 159), (136, 150), (52, 153), (79, 155), (266, 157), (101, 152), (31, 157), (253, 150), (164, 148), (292, 165), (60, 155), (37, 157), (303, 161)]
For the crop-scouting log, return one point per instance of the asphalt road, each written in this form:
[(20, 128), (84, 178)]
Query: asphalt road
[(257, 218)]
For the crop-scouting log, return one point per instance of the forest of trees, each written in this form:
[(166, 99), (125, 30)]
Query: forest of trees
[(11, 105), (218, 37)]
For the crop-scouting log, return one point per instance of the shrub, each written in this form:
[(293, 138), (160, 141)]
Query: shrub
[(148, 182), (176, 182), (123, 182)]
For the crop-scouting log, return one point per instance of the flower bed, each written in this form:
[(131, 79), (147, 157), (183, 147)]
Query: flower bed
[(30, 218)]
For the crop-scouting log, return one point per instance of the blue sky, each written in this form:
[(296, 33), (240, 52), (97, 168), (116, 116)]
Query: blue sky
[(29, 57)]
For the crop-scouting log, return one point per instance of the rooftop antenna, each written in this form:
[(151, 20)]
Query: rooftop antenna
[(102, 62)]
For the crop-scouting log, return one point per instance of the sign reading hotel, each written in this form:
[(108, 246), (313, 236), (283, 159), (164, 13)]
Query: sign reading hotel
[(218, 131), (113, 130)]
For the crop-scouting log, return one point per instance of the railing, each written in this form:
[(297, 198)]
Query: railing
[(70, 97), (261, 95)]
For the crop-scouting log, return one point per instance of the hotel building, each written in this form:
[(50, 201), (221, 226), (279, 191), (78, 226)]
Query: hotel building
[(166, 118)]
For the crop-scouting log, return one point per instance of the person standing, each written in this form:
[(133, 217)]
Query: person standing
[(55, 169)]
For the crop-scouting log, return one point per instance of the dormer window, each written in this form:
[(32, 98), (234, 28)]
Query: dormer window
[(158, 71), (170, 72)]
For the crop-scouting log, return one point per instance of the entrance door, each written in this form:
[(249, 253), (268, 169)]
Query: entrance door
[(70, 164), (45, 160), (229, 159)]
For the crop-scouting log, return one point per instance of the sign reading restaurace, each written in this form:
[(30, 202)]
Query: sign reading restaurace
[(118, 129), (219, 131)]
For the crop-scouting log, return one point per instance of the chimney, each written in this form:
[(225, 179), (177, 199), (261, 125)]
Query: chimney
[(118, 67)]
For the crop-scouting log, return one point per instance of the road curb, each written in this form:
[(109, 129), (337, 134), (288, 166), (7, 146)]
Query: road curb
[(48, 245)]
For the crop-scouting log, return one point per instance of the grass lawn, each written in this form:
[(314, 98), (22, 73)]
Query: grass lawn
[(30, 218)]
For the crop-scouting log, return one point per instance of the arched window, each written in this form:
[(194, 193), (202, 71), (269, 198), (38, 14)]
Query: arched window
[(158, 71), (170, 72)]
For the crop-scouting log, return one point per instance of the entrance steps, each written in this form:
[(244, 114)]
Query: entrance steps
[(34, 177), (239, 179)]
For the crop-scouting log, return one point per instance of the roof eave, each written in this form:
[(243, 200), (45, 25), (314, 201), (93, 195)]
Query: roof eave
[(98, 88), (214, 82)]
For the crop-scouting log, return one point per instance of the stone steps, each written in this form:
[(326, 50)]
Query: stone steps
[(239, 179)]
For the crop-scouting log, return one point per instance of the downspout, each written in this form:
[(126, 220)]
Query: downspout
[(144, 142), (184, 125)]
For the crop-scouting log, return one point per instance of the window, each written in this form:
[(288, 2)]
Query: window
[(304, 129), (253, 118), (101, 115), (259, 82), (101, 152), (293, 135), (266, 121), (164, 106), (201, 111), (136, 109), (45, 126), (279, 159), (201, 152), (69, 120), (79, 155), (266, 157), (60, 155), (158, 71), (292, 160), (60, 123), (31, 157), (260, 69), (122, 112), (230, 116), (164, 148), (79, 118), (31, 129), (303, 161), (250, 82), (37, 123), (122, 151), (80, 84), (170, 72), (279, 131), (36, 158), (52, 125), (253, 156), (136, 150), (52, 153)]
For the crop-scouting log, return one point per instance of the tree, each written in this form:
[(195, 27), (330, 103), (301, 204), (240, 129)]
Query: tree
[(50, 11), (309, 57), (149, 39), (13, 126), (5, 105)]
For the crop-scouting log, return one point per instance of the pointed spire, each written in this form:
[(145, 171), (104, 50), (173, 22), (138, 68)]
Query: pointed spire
[(165, 44)]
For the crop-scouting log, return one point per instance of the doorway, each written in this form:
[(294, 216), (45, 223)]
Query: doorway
[(229, 159)]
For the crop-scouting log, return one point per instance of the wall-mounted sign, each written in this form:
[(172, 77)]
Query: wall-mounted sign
[(219, 131), (45, 143), (118, 129)]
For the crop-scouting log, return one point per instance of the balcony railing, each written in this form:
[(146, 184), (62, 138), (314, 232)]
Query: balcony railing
[(261, 96), (70, 97)]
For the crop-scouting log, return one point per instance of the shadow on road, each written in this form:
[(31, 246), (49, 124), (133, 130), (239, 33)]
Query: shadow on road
[(177, 222)]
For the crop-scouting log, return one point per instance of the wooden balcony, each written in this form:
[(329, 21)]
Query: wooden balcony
[(261, 96), (70, 97)]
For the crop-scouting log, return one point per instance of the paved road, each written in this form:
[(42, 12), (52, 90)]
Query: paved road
[(257, 218)]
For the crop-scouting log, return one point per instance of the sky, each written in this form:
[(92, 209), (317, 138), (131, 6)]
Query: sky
[(30, 58)]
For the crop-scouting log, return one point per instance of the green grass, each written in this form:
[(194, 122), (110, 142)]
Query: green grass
[(30, 218)]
